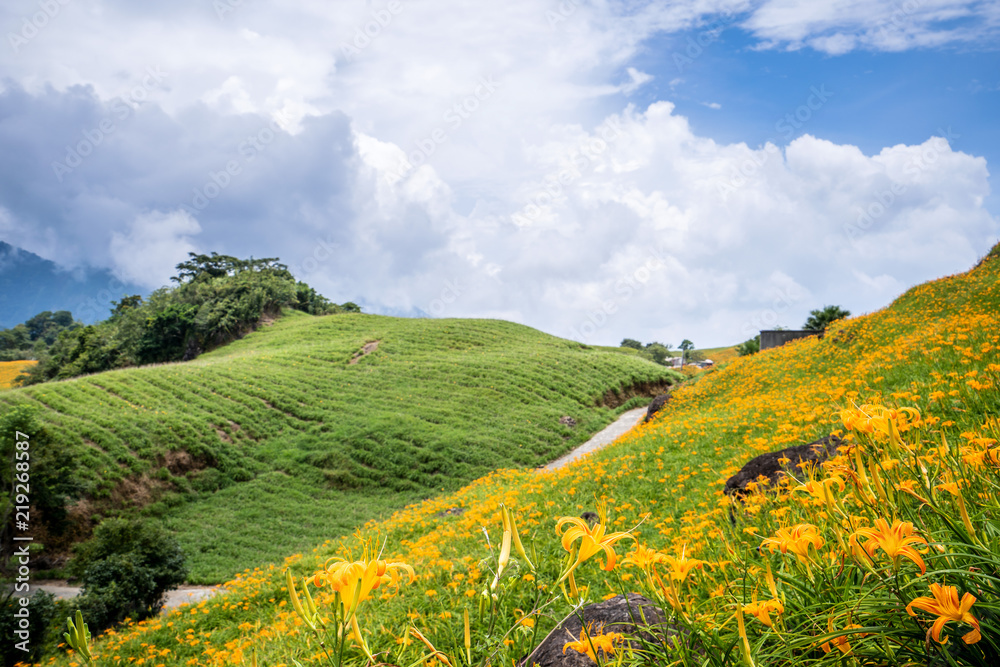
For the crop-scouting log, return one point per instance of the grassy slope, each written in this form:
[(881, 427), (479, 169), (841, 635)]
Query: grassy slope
[(275, 442), (919, 352)]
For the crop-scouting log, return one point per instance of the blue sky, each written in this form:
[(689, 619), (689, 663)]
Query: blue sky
[(879, 99), (575, 166)]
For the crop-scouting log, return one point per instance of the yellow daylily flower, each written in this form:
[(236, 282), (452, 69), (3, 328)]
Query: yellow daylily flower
[(894, 540), (762, 610), (353, 582), (592, 540), (947, 606), (589, 643), (796, 539)]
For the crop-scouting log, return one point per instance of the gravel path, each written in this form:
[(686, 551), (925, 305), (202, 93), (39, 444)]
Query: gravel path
[(175, 598), (186, 594), (611, 433)]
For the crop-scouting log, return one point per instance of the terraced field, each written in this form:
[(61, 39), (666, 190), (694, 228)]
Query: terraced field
[(306, 428)]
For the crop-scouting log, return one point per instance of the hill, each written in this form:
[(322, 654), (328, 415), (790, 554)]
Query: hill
[(311, 426), (933, 350), (30, 284)]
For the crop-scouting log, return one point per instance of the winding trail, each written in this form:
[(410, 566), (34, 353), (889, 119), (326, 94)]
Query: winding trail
[(185, 594), (619, 427)]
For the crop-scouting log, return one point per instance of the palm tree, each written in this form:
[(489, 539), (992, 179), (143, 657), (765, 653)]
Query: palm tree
[(821, 319)]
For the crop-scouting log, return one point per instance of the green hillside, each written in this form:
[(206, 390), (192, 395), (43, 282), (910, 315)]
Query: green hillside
[(720, 574), (278, 441)]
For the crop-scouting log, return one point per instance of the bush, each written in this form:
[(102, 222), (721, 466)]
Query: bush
[(748, 347), (41, 611), (125, 570)]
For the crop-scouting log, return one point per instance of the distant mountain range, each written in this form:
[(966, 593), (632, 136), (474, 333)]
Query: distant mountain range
[(30, 284)]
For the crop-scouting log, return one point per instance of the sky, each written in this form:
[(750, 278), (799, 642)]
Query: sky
[(693, 169)]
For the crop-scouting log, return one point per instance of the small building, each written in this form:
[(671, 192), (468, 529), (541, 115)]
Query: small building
[(778, 337)]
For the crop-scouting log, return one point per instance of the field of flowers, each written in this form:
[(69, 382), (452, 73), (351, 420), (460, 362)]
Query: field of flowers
[(281, 434), (887, 554), (9, 370)]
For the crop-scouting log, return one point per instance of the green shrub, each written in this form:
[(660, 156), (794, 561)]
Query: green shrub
[(748, 347), (41, 610), (125, 570)]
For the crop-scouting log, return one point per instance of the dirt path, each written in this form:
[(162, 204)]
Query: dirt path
[(611, 433), (175, 598)]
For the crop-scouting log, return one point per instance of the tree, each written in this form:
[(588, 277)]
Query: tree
[(748, 347), (630, 342), (685, 346), (821, 319), (657, 353)]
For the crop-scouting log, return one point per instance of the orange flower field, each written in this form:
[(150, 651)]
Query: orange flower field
[(887, 554), (9, 370)]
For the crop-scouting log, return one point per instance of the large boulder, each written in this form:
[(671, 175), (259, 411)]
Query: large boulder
[(631, 616), (773, 465), (656, 406)]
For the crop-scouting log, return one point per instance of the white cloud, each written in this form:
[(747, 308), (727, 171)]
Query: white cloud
[(153, 246), (520, 200), (841, 26)]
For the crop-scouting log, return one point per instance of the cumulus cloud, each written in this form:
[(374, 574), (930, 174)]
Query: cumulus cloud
[(153, 245), (498, 174), (881, 25)]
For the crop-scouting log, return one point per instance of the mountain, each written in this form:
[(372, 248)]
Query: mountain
[(30, 284)]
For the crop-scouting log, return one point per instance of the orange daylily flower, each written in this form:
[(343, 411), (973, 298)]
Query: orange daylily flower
[(589, 643), (681, 567), (895, 540), (842, 642), (796, 539), (353, 582), (762, 610), (948, 607), (592, 540)]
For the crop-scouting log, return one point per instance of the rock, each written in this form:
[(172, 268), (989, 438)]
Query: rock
[(567, 421), (656, 406), (619, 614), (769, 465), (451, 511)]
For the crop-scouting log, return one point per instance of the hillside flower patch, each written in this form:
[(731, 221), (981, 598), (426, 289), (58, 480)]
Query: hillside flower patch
[(888, 553)]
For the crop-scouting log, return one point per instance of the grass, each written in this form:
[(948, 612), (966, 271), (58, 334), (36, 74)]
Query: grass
[(277, 441), (934, 349), (10, 370)]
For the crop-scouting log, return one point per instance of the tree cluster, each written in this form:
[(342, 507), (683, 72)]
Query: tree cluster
[(656, 352), (31, 339), (215, 299)]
